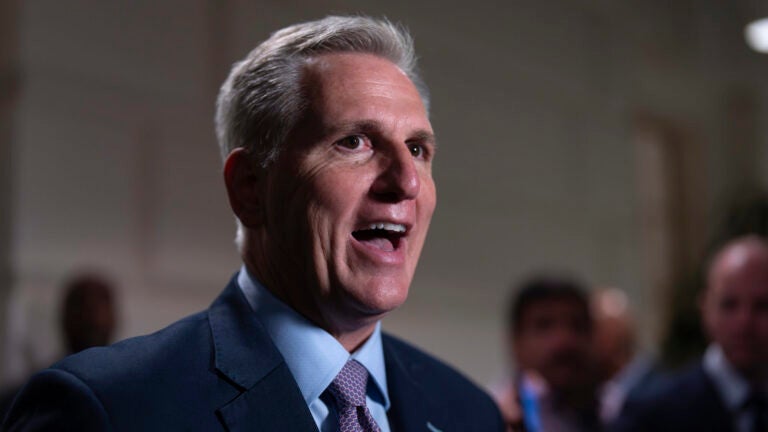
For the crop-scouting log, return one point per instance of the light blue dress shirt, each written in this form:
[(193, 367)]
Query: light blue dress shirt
[(314, 357), (733, 388)]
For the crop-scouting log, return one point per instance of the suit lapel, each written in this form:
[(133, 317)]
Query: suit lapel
[(271, 405), (412, 409), (246, 358), (714, 409)]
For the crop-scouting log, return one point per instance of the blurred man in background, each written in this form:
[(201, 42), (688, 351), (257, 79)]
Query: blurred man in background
[(726, 391), (88, 313), (623, 371), (550, 336), (88, 319), (328, 152)]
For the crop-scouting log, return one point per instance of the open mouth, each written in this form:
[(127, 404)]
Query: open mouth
[(382, 235)]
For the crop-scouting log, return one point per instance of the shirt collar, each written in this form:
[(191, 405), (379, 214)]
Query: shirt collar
[(732, 386), (313, 356), (633, 372), (534, 385)]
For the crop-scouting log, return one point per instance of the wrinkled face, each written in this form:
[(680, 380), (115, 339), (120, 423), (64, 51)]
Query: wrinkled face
[(735, 310), (352, 195), (554, 339)]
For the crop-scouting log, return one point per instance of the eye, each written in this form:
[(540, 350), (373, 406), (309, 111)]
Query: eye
[(352, 142), (761, 305), (417, 150), (728, 304), (543, 324)]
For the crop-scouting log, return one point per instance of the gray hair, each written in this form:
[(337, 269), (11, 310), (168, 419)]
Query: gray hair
[(262, 99)]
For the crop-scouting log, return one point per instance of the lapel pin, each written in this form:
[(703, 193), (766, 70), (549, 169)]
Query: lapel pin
[(432, 428)]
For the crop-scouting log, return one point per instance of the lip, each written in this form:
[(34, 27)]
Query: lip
[(400, 214), (381, 257), (365, 223)]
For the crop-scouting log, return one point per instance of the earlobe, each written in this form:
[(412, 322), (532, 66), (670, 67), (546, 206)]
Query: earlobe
[(241, 176)]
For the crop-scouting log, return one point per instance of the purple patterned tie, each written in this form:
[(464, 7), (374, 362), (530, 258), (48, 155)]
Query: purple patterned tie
[(348, 388)]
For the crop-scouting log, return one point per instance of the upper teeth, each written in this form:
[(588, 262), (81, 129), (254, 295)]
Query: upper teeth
[(387, 226)]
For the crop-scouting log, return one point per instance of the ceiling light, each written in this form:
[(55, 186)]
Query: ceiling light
[(756, 33)]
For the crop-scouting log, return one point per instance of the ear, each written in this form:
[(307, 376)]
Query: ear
[(244, 187)]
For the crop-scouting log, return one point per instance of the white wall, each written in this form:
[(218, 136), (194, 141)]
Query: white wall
[(117, 168), (9, 73)]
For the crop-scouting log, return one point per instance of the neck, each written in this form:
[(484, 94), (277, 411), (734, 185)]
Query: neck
[(351, 332), (351, 341)]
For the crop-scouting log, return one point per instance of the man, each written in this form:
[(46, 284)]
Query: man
[(328, 153), (88, 319), (88, 316), (550, 331), (622, 370), (725, 392)]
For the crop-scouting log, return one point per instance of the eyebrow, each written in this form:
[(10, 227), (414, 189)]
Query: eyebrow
[(424, 136), (373, 126)]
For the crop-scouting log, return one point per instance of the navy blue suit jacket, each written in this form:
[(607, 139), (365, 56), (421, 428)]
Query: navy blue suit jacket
[(219, 370), (688, 402)]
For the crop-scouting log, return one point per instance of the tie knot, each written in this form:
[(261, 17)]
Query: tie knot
[(348, 388)]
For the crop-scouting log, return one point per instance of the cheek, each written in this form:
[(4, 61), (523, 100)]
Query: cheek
[(332, 209), (324, 238), (530, 348), (425, 208), (712, 319), (762, 327), (318, 224), (521, 354), (715, 327), (297, 221), (428, 198), (338, 192)]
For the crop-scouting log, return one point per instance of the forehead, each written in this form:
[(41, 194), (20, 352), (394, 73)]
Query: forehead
[(336, 82), (740, 269), (558, 308)]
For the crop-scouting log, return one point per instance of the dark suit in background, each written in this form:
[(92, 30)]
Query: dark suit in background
[(725, 391), (688, 402)]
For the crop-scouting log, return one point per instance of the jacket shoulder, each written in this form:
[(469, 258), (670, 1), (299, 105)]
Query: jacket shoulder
[(182, 343), (56, 400), (143, 383), (427, 366), (452, 392)]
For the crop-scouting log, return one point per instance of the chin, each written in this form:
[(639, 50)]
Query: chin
[(381, 297)]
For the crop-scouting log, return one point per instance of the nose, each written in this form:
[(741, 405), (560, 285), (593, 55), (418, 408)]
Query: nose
[(398, 179), (566, 337)]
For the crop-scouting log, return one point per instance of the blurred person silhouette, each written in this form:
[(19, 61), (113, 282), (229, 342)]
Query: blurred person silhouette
[(549, 332), (327, 149), (88, 313), (87, 318), (623, 371), (726, 390)]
